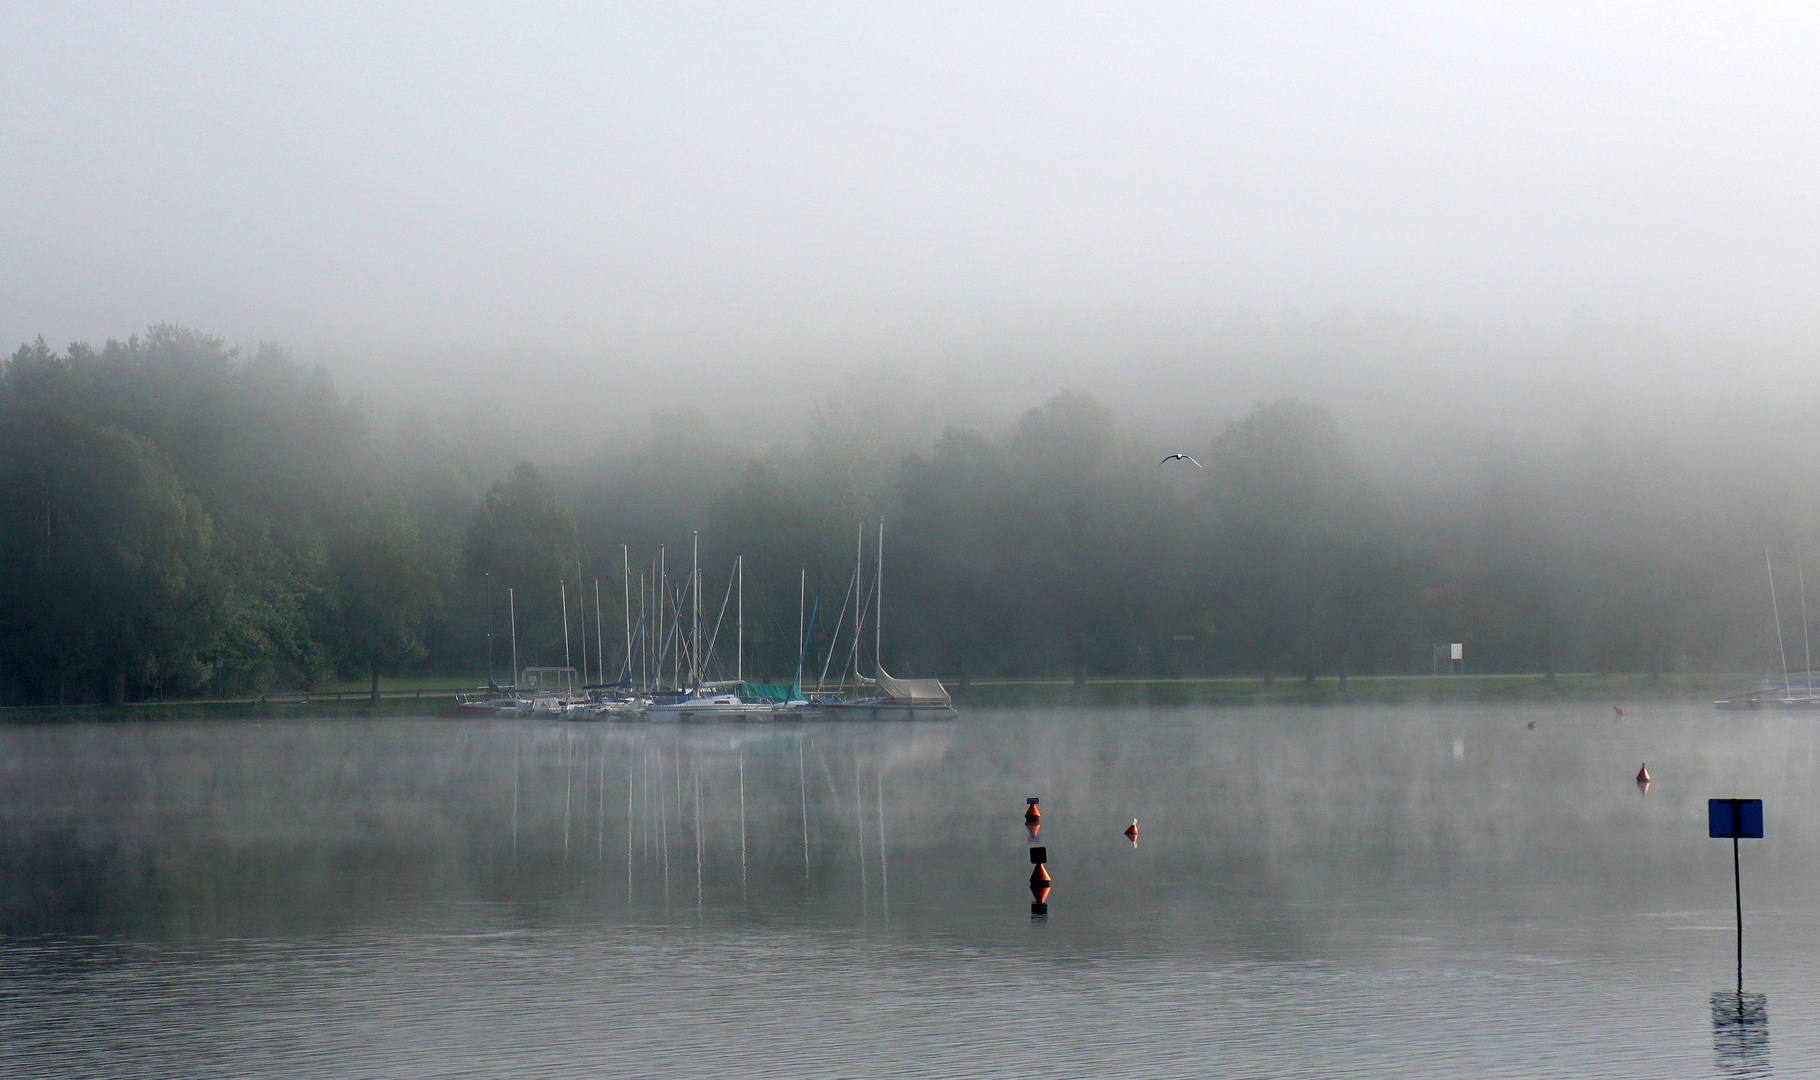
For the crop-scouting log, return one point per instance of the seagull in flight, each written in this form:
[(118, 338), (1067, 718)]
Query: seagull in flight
[(1181, 457)]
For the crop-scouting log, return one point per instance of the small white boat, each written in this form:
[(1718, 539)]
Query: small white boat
[(710, 705)]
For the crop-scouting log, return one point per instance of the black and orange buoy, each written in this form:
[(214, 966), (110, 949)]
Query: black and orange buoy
[(1131, 831), (1039, 876), (1643, 776), (1032, 814)]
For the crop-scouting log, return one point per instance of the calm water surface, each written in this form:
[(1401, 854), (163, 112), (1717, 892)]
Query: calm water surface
[(1435, 892)]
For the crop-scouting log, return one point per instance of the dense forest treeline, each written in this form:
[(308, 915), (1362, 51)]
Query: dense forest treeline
[(178, 518)]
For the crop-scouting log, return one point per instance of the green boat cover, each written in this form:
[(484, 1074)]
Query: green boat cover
[(773, 692)]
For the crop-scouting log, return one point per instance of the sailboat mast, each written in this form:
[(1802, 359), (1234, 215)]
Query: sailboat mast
[(1777, 613), (644, 634), (600, 643), (739, 653), (625, 578), (512, 607), (878, 606), (802, 595), (1807, 676), (565, 623), (663, 589), (695, 610), (859, 582), (581, 620)]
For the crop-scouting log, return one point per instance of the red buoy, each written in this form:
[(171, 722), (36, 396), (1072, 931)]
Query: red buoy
[(1039, 876), (1032, 813), (1532, 725), (1619, 711), (1131, 832), (1643, 776)]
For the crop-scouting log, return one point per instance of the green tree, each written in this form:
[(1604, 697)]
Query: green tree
[(115, 579), (524, 535), (1303, 547), (383, 593)]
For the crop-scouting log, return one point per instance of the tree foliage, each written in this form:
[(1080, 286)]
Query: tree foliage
[(177, 518)]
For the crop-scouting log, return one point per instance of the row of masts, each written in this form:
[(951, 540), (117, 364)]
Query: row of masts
[(641, 668)]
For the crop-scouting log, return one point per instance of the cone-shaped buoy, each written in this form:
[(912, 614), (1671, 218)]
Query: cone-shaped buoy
[(1033, 827), (1618, 711), (1643, 786), (1039, 893), (1131, 832), (1032, 813), (1643, 776), (1039, 876), (1532, 725)]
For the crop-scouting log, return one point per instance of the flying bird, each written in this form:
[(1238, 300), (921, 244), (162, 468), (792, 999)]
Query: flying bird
[(1181, 457)]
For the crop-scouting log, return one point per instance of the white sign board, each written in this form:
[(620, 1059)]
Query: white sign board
[(1459, 651)]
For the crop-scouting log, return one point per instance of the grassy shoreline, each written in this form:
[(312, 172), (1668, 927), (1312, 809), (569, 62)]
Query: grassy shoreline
[(1373, 689), (436, 696)]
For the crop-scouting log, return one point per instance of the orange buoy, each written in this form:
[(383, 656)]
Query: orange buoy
[(1032, 813), (1532, 725), (1039, 876), (1131, 832), (1643, 776), (1039, 893), (1619, 710)]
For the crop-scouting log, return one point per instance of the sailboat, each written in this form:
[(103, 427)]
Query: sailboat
[(1782, 695), (704, 700), (889, 698)]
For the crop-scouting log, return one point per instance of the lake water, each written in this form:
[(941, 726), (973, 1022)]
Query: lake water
[(1396, 892)]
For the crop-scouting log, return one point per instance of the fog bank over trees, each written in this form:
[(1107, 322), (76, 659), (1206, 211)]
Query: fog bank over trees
[(1412, 394), (180, 517)]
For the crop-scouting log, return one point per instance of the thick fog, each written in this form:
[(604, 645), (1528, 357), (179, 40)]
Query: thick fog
[(1491, 325), (741, 203)]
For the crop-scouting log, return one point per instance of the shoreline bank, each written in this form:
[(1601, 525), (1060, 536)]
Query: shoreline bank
[(440, 700)]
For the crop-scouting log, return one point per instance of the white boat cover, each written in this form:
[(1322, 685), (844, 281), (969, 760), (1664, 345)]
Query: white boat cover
[(913, 691)]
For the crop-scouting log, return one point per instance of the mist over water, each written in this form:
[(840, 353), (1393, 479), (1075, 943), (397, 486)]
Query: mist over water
[(1325, 892)]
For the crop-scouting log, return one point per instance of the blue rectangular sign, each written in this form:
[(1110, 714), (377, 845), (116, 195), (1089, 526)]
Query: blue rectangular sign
[(1741, 818)]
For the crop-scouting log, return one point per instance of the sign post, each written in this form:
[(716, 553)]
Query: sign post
[(1736, 819)]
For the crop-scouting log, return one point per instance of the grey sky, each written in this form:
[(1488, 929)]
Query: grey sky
[(386, 180)]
